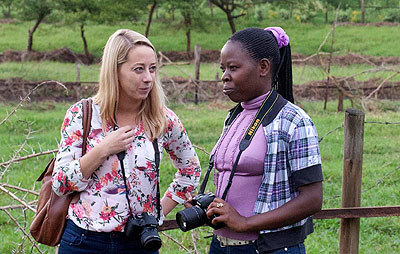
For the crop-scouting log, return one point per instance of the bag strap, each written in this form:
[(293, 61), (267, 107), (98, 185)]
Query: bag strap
[(87, 118)]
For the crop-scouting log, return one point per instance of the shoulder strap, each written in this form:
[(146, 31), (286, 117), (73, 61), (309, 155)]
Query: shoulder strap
[(157, 161), (233, 113), (87, 118)]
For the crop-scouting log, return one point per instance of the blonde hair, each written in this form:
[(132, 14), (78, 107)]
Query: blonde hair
[(151, 112)]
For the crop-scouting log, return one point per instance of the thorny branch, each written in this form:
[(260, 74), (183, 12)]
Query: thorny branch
[(175, 241), (17, 199), (28, 157), (19, 188), (23, 231), (26, 98), (19, 150)]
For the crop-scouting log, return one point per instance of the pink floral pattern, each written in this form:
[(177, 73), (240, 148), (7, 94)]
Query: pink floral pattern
[(102, 205)]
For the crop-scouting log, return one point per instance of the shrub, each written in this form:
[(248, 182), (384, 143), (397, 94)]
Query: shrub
[(392, 16)]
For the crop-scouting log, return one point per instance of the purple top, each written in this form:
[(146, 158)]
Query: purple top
[(249, 172)]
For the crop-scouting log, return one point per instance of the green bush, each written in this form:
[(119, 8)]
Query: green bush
[(392, 16)]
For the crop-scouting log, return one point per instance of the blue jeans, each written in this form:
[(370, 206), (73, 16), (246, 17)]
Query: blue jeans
[(215, 248), (78, 240), (295, 249)]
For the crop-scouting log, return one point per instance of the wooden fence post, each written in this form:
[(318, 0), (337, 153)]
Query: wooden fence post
[(78, 86), (351, 183), (197, 51)]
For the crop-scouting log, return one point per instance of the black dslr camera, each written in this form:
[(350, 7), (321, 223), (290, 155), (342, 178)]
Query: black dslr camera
[(144, 227), (195, 216)]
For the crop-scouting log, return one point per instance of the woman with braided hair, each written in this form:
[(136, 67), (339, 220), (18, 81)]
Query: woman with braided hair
[(267, 202)]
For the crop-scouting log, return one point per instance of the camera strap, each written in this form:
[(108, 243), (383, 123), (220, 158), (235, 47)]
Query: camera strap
[(262, 112), (121, 156)]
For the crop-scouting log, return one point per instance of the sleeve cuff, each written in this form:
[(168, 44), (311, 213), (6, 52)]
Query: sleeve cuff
[(174, 197), (308, 175)]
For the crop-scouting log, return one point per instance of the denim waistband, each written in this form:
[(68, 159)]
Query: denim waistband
[(105, 235)]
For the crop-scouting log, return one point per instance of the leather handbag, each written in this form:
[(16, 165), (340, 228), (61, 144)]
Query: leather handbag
[(48, 225)]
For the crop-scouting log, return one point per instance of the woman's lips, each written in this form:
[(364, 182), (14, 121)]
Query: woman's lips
[(145, 89), (227, 90)]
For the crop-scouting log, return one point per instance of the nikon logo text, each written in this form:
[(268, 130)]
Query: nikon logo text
[(256, 123)]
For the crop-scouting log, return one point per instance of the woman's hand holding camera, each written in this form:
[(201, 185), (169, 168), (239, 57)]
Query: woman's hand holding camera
[(227, 215)]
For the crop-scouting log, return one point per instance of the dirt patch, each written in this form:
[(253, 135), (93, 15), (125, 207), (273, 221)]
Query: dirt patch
[(315, 90), (377, 24), (59, 55), (344, 60), (207, 56), (182, 90), (7, 21)]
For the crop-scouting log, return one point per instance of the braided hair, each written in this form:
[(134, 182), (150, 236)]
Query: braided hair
[(261, 44)]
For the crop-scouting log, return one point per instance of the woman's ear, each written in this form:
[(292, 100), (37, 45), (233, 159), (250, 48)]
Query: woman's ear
[(265, 67)]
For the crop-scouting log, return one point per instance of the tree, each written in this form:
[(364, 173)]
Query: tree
[(81, 12), (229, 6), (192, 16), (151, 12), (6, 6), (35, 10)]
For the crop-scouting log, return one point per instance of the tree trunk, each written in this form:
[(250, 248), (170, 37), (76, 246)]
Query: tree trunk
[(31, 31), (231, 22), (362, 12), (153, 7), (188, 42), (85, 46), (326, 12), (188, 23)]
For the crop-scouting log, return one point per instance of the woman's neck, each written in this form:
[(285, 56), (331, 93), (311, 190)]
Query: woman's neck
[(127, 112)]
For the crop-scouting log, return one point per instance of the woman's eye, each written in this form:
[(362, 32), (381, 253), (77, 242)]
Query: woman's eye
[(153, 68), (138, 69), (232, 68)]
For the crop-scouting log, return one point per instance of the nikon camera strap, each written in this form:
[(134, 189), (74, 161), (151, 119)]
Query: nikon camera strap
[(265, 108)]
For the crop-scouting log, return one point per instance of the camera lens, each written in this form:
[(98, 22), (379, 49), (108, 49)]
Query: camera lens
[(191, 218), (150, 239)]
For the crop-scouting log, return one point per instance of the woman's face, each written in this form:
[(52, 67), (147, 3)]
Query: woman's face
[(241, 74), (136, 76)]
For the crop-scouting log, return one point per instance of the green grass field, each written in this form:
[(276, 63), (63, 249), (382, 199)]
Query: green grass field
[(380, 181), (66, 72), (304, 38)]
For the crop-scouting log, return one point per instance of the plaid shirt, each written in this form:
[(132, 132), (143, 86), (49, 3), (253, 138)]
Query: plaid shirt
[(292, 145)]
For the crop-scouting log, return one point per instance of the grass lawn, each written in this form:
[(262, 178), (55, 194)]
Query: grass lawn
[(65, 72), (380, 183), (304, 38)]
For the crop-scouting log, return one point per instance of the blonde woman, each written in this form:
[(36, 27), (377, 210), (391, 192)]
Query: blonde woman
[(117, 178)]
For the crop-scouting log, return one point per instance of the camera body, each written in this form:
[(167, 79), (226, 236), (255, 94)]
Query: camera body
[(195, 216), (144, 227)]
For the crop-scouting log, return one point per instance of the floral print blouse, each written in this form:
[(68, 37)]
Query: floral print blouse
[(102, 204)]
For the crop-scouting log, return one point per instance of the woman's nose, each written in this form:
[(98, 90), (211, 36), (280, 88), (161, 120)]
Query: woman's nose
[(225, 77), (148, 77)]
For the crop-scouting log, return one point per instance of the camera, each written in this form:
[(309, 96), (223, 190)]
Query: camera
[(195, 216), (144, 227)]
